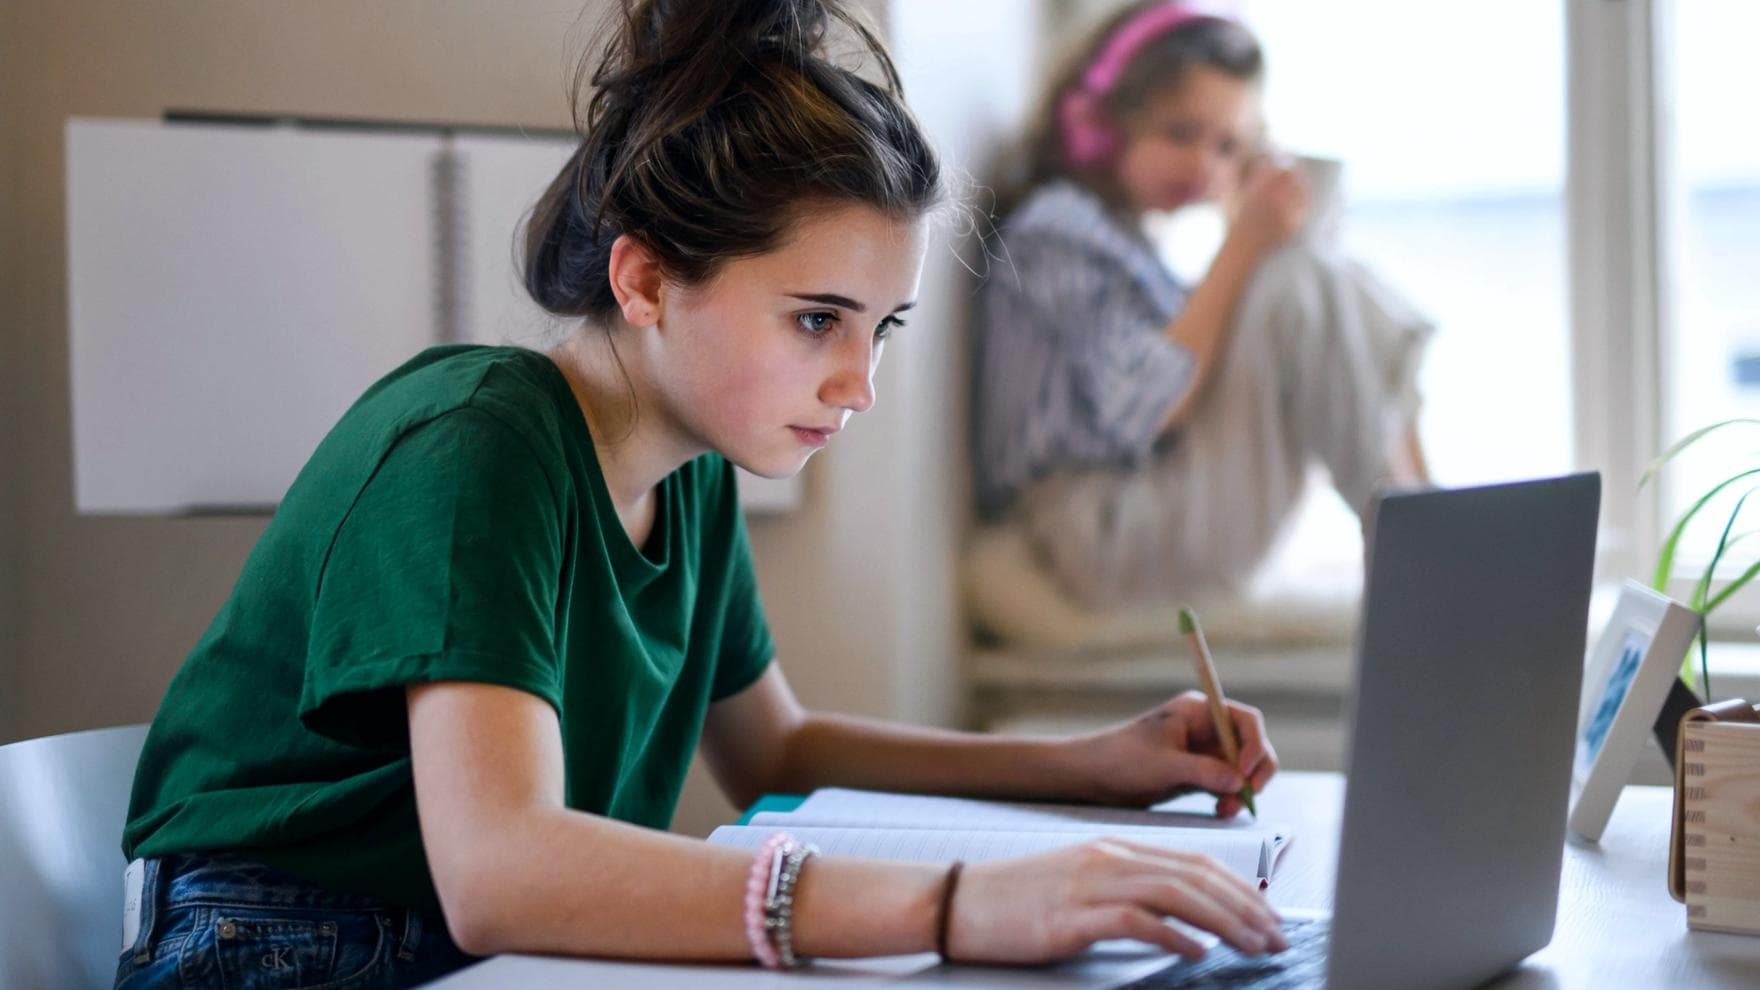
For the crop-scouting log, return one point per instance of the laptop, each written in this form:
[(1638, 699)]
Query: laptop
[(1470, 663)]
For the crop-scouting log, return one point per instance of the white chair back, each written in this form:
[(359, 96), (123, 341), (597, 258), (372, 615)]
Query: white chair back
[(63, 801)]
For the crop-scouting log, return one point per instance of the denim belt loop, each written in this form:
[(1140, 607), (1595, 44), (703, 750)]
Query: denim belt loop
[(152, 896), (412, 935)]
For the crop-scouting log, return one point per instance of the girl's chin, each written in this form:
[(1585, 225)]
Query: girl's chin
[(778, 469), (1170, 203)]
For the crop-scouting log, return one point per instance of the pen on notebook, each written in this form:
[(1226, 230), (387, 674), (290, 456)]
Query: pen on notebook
[(1231, 753)]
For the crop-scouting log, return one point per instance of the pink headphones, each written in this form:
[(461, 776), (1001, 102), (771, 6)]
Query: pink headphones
[(1088, 137)]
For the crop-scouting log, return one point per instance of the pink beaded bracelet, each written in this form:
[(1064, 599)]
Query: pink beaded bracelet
[(770, 887), (767, 861)]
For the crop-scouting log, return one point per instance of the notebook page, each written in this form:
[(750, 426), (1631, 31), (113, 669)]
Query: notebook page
[(1240, 851), (847, 808)]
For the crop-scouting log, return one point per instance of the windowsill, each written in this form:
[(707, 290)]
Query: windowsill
[(1735, 670)]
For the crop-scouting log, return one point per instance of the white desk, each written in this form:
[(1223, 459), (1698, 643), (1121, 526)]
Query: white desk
[(1617, 926)]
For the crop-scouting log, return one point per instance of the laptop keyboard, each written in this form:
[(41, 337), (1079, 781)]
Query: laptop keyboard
[(1303, 964)]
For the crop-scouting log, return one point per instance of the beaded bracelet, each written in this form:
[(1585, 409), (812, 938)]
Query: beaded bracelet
[(769, 907), (757, 885), (779, 906)]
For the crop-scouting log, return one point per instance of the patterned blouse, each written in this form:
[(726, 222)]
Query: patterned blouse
[(1072, 367)]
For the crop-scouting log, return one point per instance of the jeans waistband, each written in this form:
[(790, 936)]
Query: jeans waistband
[(206, 878), (187, 880)]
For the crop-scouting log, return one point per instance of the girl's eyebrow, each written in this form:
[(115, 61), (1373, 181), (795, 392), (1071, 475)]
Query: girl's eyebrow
[(844, 302)]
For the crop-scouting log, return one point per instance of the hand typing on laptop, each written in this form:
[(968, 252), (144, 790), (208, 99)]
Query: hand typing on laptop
[(1042, 908)]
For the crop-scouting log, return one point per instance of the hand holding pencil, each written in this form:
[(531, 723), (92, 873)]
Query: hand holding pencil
[(1193, 741), (1212, 686)]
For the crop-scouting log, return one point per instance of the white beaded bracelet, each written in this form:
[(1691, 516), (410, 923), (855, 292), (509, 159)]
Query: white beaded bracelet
[(779, 902)]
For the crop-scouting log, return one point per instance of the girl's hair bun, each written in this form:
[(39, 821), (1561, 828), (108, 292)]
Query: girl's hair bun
[(710, 123)]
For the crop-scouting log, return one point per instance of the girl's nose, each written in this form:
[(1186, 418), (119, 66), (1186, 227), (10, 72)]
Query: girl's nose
[(851, 382), (1212, 167)]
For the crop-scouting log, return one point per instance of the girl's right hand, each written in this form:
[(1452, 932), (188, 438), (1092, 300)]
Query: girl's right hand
[(1050, 906), (1271, 205)]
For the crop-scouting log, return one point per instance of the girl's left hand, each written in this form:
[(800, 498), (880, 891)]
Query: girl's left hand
[(1170, 750), (1271, 205)]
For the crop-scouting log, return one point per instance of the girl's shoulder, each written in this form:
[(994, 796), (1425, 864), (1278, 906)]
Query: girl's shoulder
[(462, 395), (1062, 215), (1057, 201), (520, 386), (460, 371)]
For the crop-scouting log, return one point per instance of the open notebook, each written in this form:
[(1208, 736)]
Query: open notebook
[(939, 829)]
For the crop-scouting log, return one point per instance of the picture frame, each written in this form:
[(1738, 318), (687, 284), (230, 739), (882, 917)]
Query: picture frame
[(1626, 678)]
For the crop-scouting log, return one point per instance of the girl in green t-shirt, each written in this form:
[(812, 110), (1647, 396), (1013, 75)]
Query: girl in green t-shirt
[(448, 708)]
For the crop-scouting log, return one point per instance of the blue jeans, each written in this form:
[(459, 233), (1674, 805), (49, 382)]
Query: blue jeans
[(222, 921)]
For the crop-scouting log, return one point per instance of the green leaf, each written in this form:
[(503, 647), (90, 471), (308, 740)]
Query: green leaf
[(1701, 593), (1703, 590), (1704, 661), (1734, 586), (1687, 441), (1665, 557), (1703, 601)]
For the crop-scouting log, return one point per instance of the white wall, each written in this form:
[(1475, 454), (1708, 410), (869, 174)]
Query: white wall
[(968, 72)]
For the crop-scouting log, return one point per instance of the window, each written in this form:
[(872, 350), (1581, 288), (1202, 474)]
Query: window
[(1449, 122), (1710, 265)]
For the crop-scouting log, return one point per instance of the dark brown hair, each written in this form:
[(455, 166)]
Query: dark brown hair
[(713, 125), (1213, 42)]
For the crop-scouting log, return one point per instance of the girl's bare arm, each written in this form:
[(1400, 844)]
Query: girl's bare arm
[(518, 871), (1274, 199)]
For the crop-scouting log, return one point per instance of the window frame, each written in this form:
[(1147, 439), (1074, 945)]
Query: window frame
[(1624, 214), (1615, 169)]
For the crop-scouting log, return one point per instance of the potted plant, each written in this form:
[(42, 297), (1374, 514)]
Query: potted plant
[(1704, 599)]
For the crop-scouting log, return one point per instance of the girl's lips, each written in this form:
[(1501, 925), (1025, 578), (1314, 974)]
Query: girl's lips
[(812, 438), (1181, 196)]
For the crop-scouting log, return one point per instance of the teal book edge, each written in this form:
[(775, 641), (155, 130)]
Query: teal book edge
[(772, 802)]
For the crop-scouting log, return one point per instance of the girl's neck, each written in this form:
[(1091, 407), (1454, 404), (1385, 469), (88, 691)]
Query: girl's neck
[(1114, 199), (635, 447)]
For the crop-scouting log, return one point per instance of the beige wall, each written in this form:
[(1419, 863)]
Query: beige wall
[(107, 606), (11, 346), (96, 613)]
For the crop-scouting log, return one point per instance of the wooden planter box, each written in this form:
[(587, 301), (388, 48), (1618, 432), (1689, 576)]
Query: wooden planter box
[(1714, 863)]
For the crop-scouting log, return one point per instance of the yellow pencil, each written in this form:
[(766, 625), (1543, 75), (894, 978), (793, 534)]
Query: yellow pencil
[(1231, 753)]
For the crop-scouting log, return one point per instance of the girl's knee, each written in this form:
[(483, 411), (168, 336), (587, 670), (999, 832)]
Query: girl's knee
[(1287, 304)]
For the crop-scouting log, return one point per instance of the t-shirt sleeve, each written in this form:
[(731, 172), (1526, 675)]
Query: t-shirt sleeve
[(1123, 374), (447, 567), (746, 647)]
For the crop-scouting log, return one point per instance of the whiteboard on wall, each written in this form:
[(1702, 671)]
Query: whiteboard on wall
[(232, 289)]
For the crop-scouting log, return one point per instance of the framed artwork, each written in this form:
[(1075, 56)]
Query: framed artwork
[(1627, 677)]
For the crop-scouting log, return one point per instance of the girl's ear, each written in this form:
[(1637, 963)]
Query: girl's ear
[(635, 280)]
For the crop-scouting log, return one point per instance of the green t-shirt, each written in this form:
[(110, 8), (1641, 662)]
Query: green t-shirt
[(453, 526)]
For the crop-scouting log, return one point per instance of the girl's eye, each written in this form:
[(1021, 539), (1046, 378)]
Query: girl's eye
[(884, 330), (816, 324), (1182, 133)]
